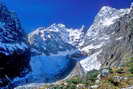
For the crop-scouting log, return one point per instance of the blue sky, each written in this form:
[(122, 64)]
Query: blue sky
[(72, 13)]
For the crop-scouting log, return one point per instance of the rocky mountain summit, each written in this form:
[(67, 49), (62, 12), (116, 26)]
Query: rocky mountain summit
[(55, 40), (109, 39)]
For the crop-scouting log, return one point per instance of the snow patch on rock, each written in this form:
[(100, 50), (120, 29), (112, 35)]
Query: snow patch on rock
[(9, 48), (91, 62)]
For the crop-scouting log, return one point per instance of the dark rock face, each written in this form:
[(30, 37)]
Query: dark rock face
[(14, 49)]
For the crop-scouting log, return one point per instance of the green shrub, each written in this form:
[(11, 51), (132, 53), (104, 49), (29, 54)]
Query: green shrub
[(74, 80), (130, 65), (120, 70), (131, 69), (110, 70), (71, 86), (92, 75), (57, 87)]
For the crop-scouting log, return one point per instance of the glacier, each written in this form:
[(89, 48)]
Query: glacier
[(47, 69)]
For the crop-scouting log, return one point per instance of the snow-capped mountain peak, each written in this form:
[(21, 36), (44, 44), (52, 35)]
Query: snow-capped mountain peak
[(106, 17), (109, 13), (108, 28), (67, 34), (58, 36)]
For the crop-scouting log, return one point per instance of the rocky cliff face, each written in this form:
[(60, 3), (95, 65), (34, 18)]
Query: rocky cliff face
[(14, 49), (109, 39), (121, 45)]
